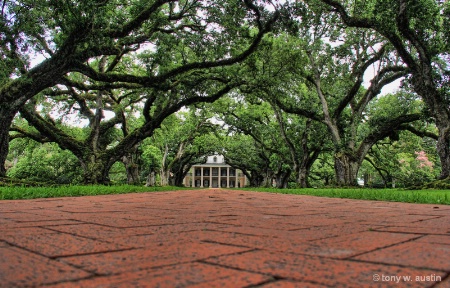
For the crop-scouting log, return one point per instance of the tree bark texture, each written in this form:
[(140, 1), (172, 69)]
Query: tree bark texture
[(302, 177), (164, 177), (6, 118), (178, 180), (281, 179), (132, 169), (256, 179), (151, 179), (346, 169), (443, 149), (133, 174), (96, 169)]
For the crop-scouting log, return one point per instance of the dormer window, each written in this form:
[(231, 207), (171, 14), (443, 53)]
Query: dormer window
[(215, 159)]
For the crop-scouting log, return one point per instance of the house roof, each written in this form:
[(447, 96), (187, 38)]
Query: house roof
[(224, 165)]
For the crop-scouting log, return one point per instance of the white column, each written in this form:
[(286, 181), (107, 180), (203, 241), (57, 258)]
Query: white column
[(218, 175), (210, 177), (201, 177), (228, 177)]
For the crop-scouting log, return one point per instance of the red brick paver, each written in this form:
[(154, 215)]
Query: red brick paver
[(222, 238)]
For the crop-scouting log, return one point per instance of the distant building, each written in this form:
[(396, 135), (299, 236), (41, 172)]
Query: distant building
[(215, 173)]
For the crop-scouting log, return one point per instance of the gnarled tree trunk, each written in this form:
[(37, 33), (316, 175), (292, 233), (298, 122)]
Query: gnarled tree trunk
[(281, 179), (443, 146), (132, 169), (164, 177), (96, 170), (180, 173), (151, 179), (255, 179), (133, 177), (346, 168), (6, 118), (178, 180), (304, 167), (302, 177), (267, 180)]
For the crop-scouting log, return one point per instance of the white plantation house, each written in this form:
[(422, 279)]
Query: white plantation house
[(215, 173)]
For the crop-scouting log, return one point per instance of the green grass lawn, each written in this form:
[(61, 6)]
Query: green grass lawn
[(395, 195), (13, 193)]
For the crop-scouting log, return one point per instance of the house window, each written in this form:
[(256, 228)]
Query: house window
[(223, 172), (223, 183), (215, 159)]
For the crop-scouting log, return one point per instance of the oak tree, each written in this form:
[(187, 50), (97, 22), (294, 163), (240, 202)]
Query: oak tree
[(169, 53)]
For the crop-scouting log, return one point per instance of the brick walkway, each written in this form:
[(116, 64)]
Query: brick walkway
[(220, 238)]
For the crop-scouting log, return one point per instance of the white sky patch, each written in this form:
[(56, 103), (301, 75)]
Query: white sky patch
[(390, 88)]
